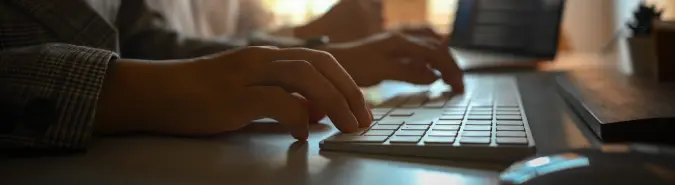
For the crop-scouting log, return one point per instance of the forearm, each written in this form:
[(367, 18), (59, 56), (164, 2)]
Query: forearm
[(266, 39), (144, 34), (311, 29)]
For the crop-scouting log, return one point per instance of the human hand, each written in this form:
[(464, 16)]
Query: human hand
[(421, 31), (395, 56), (226, 91), (347, 20)]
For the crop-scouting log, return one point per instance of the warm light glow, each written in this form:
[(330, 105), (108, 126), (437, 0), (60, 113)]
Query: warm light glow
[(297, 12), (428, 177), (442, 14)]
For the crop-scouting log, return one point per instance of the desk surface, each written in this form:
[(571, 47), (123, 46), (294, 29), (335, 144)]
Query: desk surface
[(265, 154)]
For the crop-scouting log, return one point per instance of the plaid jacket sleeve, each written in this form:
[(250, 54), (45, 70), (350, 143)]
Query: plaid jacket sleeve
[(48, 95)]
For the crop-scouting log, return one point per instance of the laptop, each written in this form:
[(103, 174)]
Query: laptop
[(505, 33), (487, 122)]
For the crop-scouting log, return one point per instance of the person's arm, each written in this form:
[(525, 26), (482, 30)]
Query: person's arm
[(144, 34), (48, 95)]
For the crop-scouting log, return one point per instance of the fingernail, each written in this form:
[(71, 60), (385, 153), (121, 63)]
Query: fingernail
[(300, 134), (300, 138), (369, 120)]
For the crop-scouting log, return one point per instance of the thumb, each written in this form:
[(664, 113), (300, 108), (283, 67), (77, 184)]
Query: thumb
[(276, 103), (314, 112)]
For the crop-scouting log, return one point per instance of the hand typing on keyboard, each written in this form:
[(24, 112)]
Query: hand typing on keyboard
[(394, 56), (228, 90)]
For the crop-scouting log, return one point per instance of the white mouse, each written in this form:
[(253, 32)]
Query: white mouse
[(611, 165)]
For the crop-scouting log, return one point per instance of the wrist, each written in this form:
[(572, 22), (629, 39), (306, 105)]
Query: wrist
[(265, 39), (309, 30), (130, 95)]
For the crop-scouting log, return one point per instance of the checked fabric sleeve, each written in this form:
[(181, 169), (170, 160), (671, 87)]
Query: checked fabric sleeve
[(48, 95)]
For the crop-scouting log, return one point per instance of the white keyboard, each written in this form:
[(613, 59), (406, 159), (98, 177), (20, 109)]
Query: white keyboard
[(487, 123)]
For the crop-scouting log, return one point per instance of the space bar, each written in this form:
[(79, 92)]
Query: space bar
[(357, 139)]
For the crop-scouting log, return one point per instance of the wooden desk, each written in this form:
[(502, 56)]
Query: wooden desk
[(265, 154)]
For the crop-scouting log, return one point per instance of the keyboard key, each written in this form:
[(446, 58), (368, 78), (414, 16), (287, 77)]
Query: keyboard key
[(509, 117), (451, 117), (480, 112), (508, 109), (510, 104), (479, 117), (477, 128), (508, 113), (481, 104), (443, 133), (453, 114), (481, 109), (477, 133), (475, 140), (384, 127), (410, 133), (380, 110), (510, 128), (379, 133), (487, 103), (378, 116), (357, 133), (447, 122), (401, 113), (439, 140), (510, 134), (446, 127), (458, 109), (415, 101), (478, 122), (418, 122), (357, 139), (405, 139), (434, 104), (415, 127), (390, 122), (457, 103), (512, 140), (509, 123), (484, 104)]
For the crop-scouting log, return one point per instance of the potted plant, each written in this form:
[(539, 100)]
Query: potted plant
[(641, 42)]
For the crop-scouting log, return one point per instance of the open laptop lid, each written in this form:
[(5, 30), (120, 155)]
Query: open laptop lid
[(506, 30)]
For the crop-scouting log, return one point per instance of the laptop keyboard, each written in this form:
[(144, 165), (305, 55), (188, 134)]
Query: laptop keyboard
[(489, 116)]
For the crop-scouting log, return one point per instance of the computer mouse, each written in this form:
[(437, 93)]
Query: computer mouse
[(611, 165)]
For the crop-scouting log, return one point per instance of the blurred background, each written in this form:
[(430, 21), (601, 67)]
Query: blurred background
[(438, 13), (588, 25)]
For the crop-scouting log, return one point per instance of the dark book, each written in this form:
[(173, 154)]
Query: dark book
[(665, 50)]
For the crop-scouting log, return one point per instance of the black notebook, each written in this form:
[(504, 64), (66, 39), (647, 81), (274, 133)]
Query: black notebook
[(621, 108)]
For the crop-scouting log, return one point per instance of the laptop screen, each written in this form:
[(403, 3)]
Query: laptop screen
[(522, 27)]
